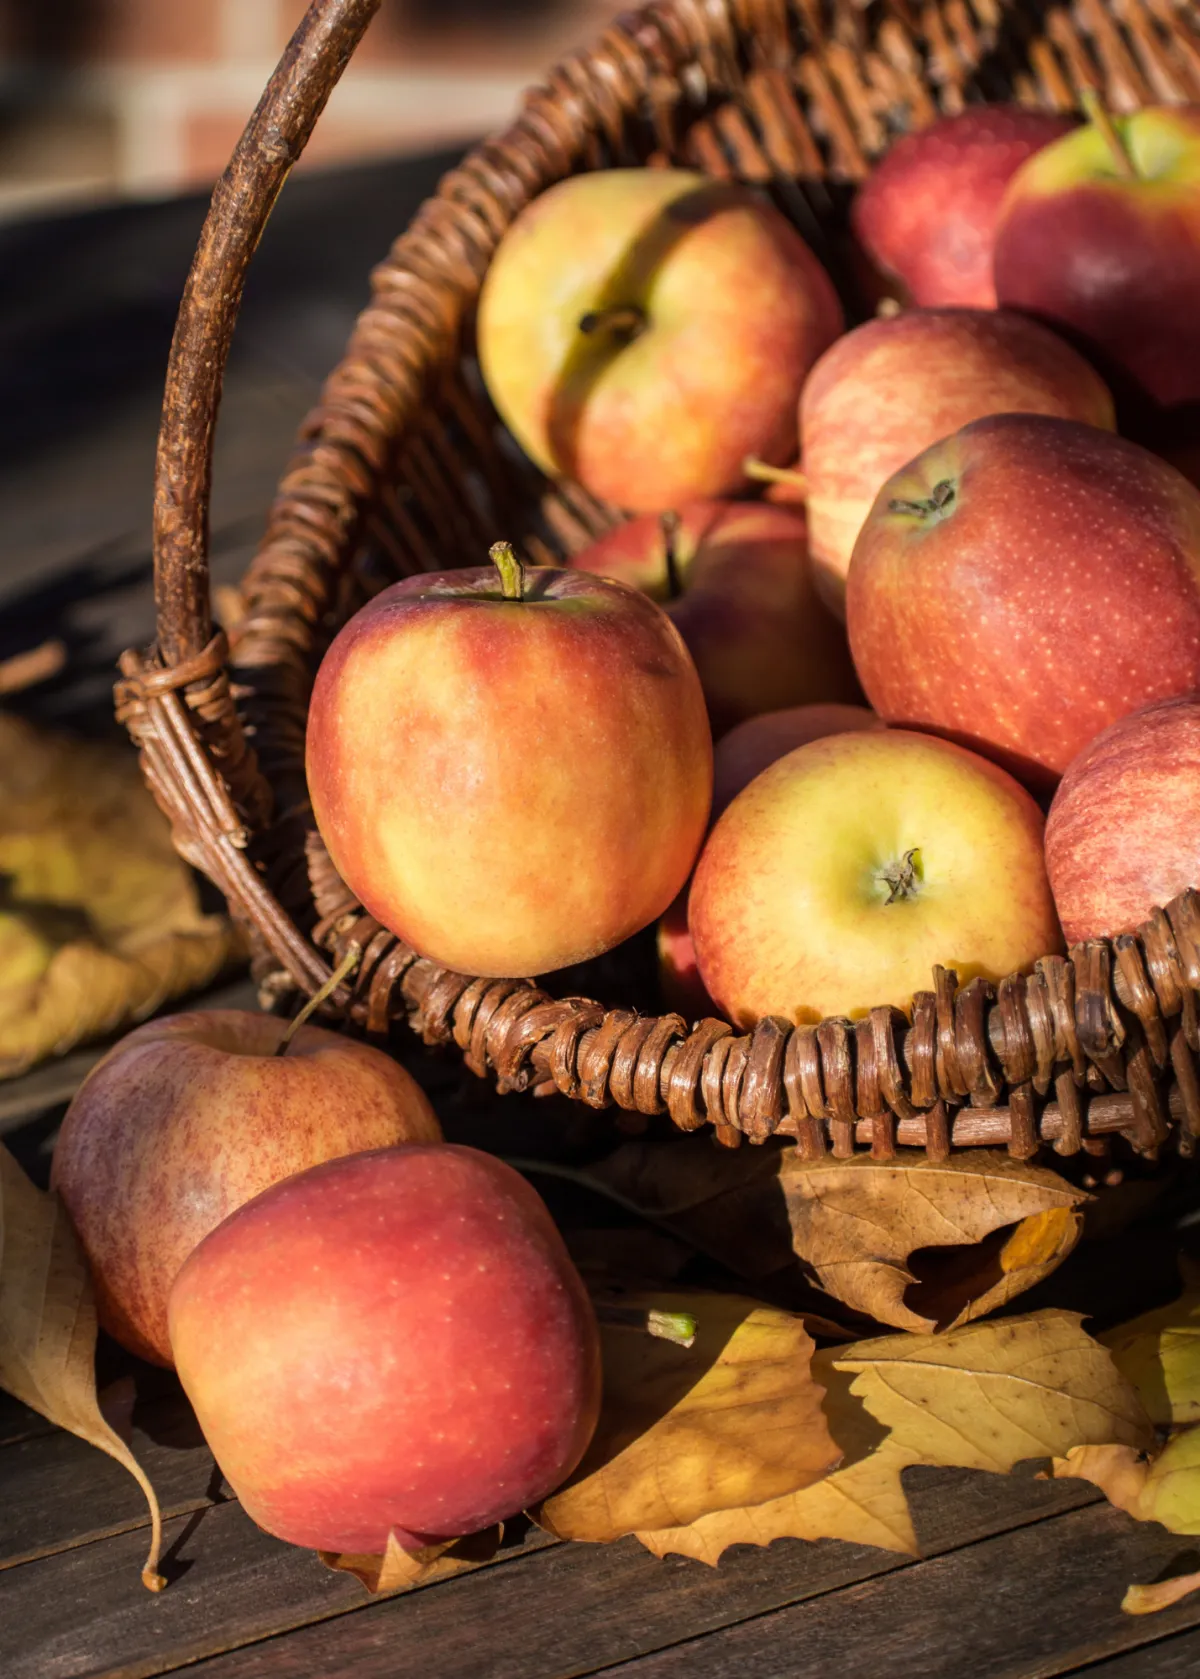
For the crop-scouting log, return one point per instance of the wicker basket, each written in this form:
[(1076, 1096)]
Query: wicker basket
[(404, 467)]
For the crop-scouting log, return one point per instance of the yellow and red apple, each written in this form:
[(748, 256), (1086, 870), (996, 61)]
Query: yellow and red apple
[(848, 869), (645, 330), (736, 580), (511, 782), (192, 1115)]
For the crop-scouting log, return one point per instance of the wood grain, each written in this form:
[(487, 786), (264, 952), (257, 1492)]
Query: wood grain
[(1173, 1658)]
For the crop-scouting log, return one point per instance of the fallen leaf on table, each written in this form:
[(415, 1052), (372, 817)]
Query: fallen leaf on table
[(1165, 1488), (734, 1419), (1148, 1600), (399, 1570), (986, 1396), (1159, 1352), (100, 921), (48, 1328)]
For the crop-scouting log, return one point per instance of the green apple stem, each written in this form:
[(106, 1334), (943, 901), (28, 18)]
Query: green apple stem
[(754, 468), (345, 967), (1099, 115), (678, 1327), (512, 572), (902, 878), (669, 525), (624, 320), (940, 498)]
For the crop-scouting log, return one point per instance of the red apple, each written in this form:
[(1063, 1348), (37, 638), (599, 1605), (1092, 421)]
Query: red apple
[(392, 1343), (511, 777), (891, 388), (739, 588), (192, 1115), (1100, 236), (1023, 584), (645, 330), (846, 870), (1123, 834), (737, 758), (927, 215)]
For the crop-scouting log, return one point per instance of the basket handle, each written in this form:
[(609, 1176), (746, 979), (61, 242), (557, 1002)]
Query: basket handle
[(244, 197)]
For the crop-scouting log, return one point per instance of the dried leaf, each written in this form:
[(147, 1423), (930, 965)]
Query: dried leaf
[(732, 1420), (100, 921), (1119, 1471), (398, 1570), (1160, 1354), (1148, 1600), (48, 1328), (985, 1396), (1166, 1489), (856, 1223)]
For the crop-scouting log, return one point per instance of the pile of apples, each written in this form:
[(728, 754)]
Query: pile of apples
[(513, 767)]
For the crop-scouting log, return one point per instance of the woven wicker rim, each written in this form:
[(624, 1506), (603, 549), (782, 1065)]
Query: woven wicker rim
[(402, 462)]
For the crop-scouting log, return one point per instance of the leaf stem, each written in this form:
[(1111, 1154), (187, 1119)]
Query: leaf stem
[(345, 967), (512, 572), (1099, 115)]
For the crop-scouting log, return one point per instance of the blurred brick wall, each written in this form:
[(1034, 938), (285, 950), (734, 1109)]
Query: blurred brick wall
[(148, 96)]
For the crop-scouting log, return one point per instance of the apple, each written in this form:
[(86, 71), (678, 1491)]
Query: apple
[(396, 1342), (190, 1116), (736, 580), (892, 387), (747, 750), (1024, 583), (737, 758), (1123, 834), (511, 768), (927, 214), (838, 878), (645, 330), (1100, 235)]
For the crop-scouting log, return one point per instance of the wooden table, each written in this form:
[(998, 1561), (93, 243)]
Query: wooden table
[(1019, 1576)]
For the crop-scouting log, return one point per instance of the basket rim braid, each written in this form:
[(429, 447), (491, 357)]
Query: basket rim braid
[(403, 464)]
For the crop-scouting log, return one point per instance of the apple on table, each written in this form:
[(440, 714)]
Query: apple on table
[(192, 1115), (396, 1342), (645, 330), (843, 873), (1024, 583), (894, 386), (735, 579)]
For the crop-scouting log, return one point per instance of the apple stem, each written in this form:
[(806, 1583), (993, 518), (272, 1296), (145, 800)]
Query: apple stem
[(512, 572), (902, 877), (1099, 115), (939, 499), (754, 468), (624, 320), (346, 966), (669, 525), (678, 1327)]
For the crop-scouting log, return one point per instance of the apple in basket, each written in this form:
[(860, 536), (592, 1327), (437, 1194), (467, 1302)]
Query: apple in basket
[(846, 870), (1023, 584), (893, 387), (645, 330), (1100, 236), (511, 767), (736, 580), (1123, 834), (392, 1343), (927, 214), (192, 1115)]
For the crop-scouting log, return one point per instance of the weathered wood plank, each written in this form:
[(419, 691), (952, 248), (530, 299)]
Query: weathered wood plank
[(1036, 1602), (579, 1608), (83, 1613), (60, 1492), (1174, 1658)]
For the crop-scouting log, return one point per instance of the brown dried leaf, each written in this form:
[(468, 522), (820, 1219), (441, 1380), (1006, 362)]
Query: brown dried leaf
[(1148, 1600), (735, 1419), (48, 1328), (985, 1396), (398, 1570), (1166, 1489), (856, 1222)]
